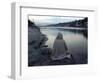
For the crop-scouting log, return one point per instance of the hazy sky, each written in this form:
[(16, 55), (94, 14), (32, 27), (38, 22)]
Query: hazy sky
[(46, 20)]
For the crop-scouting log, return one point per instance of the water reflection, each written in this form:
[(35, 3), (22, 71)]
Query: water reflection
[(76, 41)]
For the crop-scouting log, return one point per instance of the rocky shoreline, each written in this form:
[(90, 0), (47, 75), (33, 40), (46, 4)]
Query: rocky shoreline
[(38, 51)]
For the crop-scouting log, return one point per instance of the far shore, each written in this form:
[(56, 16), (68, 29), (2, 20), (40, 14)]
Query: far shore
[(69, 28)]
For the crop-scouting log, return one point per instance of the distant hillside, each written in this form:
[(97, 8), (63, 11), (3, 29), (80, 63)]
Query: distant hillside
[(77, 23)]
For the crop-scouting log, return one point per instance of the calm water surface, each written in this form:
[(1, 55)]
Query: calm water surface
[(75, 41)]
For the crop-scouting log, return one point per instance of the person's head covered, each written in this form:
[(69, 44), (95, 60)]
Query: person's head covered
[(59, 36)]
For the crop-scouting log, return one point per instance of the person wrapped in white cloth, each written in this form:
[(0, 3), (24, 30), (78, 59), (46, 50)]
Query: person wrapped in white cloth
[(60, 50)]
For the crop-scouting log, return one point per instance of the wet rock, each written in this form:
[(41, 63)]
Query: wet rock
[(38, 52), (65, 61)]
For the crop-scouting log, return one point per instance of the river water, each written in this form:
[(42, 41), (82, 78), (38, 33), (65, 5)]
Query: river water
[(75, 41)]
